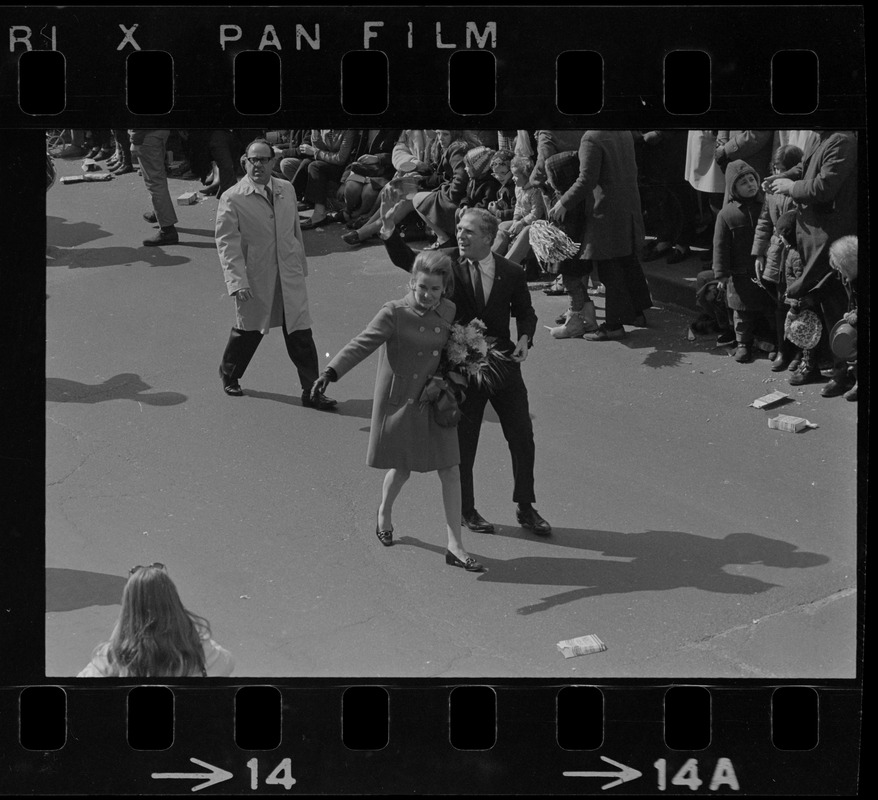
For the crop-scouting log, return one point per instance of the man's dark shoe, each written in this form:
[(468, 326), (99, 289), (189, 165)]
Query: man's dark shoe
[(150, 216), (528, 517), (836, 387), (164, 236), (476, 522), (230, 385), (320, 401)]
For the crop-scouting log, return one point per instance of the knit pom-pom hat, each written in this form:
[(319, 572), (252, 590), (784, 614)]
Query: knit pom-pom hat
[(479, 160)]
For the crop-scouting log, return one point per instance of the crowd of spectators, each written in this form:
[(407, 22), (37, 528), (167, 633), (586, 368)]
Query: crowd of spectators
[(762, 207)]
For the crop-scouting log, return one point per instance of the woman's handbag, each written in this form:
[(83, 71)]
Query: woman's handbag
[(444, 396)]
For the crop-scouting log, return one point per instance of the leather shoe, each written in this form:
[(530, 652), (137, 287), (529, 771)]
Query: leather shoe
[(470, 565), (851, 394), (320, 401), (163, 237), (678, 255), (230, 385), (529, 518), (476, 522), (384, 536), (835, 387), (150, 216), (605, 334)]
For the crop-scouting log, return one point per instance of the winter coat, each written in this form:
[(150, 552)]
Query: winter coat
[(550, 143), (403, 434), (825, 190), (507, 195), (766, 243), (733, 236), (607, 187), (261, 248), (334, 146), (753, 147)]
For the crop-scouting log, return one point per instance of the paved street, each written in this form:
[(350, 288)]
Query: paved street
[(690, 537)]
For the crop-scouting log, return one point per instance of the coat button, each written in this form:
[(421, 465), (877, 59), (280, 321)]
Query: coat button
[(421, 353), (437, 330), (410, 400), (421, 329), (435, 352)]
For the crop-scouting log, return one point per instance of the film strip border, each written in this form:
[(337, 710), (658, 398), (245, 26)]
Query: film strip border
[(409, 739), (530, 67)]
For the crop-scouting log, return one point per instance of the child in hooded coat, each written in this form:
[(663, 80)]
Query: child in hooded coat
[(733, 263)]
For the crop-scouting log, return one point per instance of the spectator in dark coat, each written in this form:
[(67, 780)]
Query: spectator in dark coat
[(824, 187), (732, 260), (613, 234), (769, 248)]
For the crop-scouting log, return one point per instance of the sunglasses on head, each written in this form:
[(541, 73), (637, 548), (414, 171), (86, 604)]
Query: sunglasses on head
[(140, 567)]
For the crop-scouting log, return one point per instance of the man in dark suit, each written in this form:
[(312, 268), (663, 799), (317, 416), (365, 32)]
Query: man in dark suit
[(491, 288)]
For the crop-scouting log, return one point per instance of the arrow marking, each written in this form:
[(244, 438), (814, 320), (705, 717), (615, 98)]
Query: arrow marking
[(216, 775), (625, 774)]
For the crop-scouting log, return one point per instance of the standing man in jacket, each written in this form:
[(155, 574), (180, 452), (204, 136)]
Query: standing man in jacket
[(259, 239), (488, 287), (148, 149)]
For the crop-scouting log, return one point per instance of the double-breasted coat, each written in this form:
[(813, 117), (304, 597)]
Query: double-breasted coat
[(261, 248), (403, 434), (607, 187)]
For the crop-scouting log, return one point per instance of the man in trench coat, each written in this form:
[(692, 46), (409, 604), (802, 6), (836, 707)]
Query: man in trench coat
[(262, 254)]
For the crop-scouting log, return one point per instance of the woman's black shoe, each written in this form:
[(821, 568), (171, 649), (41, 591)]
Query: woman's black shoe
[(470, 565), (385, 537)]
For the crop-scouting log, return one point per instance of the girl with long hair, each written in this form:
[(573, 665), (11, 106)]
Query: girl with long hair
[(156, 636)]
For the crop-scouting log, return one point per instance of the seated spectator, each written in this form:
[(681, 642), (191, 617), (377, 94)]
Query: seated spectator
[(843, 259), (444, 189), (370, 170), (481, 190), (529, 207), (323, 159), (156, 637), (410, 156), (503, 207), (770, 249)]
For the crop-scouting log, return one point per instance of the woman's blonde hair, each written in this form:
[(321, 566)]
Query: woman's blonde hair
[(435, 262), (155, 636)]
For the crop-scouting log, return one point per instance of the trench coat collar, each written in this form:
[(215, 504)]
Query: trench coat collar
[(250, 187)]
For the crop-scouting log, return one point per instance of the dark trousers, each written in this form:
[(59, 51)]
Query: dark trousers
[(225, 151), (320, 173), (300, 347), (511, 405), (627, 294), (124, 142)]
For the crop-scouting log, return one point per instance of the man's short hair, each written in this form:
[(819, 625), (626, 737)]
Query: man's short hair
[(487, 222), (259, 141)]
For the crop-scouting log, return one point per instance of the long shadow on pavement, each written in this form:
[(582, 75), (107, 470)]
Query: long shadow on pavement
[(345, 408), (644, 562), (87, 257), (71, 589), (124, 386)]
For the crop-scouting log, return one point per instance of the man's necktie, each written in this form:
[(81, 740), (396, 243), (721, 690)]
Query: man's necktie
[(476, 275)]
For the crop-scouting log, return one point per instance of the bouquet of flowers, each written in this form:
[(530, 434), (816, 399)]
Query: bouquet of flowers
[(468, 354), (551, 244)]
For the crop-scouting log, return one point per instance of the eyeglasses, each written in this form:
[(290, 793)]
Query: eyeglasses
[(140, 567), (259, 159)]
